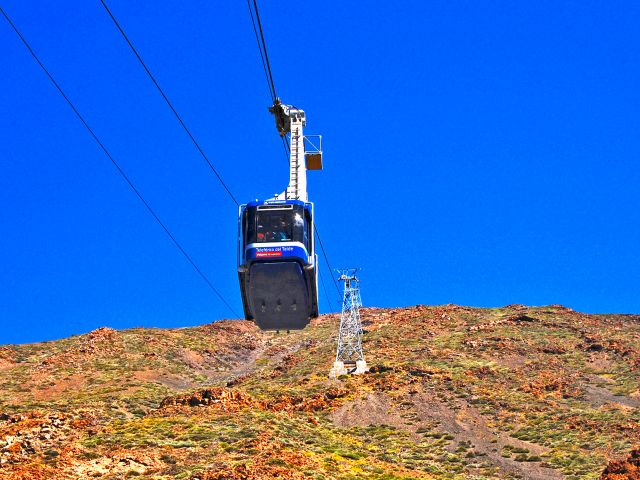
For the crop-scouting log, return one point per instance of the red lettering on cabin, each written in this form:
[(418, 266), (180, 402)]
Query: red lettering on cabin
[(269, 254)]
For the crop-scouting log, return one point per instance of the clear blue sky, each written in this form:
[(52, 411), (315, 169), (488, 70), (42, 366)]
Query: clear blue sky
[(479, 153)]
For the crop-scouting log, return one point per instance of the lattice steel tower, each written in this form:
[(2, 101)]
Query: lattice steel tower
[(349, 356)]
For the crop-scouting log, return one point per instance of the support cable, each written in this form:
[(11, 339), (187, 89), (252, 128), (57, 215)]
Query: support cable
[(116, 165), (166, 99), (324, 287), (264, 48), (326, 259), (264, 57), (267, 71), (268, 75), (264, 65)]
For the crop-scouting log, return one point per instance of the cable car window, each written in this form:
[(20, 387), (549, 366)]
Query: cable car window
[(243, 223), (250, 225), (308, 232), (274, 226), (298, 225)]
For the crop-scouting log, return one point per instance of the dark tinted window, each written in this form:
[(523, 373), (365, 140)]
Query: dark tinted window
[(277, 225), (307, 231), (274, 226), (250, 225)]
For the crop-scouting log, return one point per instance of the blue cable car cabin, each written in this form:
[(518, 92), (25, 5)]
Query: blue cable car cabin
[(277, 264)]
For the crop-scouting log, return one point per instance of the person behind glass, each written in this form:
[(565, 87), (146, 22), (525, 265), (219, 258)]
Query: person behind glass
[(283, 231), (272, 233), (279, 231), (261, 235)]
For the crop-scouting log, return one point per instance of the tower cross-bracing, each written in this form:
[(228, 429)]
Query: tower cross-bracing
[(349, 355)]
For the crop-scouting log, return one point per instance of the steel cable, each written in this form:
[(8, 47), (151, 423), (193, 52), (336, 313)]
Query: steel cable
[(262, 47), (166, 99), (115, 164)]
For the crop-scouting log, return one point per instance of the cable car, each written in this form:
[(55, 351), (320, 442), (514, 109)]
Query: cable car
[(277, 262)]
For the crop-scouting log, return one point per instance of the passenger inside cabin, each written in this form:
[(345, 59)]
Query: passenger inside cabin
[(274, 227), (261, 234), (282, 231), (275, 232), (278, 232)]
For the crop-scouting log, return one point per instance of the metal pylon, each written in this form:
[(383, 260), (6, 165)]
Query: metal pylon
[(349, 356)]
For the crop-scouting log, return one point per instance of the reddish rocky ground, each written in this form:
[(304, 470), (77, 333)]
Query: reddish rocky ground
[(627, 469), (453, 392)]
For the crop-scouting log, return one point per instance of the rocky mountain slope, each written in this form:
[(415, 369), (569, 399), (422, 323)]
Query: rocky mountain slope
[(453, 392)]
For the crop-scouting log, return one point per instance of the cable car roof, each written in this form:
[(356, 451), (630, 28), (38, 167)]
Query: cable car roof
[(278, 202)]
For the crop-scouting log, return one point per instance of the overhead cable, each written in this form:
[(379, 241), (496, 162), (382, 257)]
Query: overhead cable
[(326, 259), (264, 64), (166, 99), (262, 46), (116, 165), (324, 287)]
